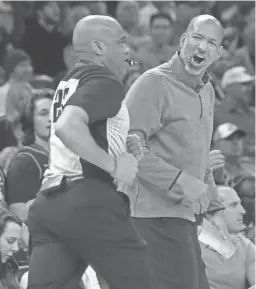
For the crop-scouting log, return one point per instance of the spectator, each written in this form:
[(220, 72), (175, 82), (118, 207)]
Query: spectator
[(237, 107), (229, 139), (17, 98), (185, 11), (10, 233), (145, 13), (233, 272), (245, 56), (6, 28), (6, 157), (127, 14), (74, 12), (70, 59), (42, 41), (167, 7), (18, 68), (26, 171), (3, 77), (244, 185), (158, 51)]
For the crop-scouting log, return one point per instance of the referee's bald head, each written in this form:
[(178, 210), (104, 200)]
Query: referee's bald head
[(93, 28)]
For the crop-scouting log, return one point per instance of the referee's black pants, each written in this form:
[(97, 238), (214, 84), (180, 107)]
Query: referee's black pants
[(175, 251), (87, 223)]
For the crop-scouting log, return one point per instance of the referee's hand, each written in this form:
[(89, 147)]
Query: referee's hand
[(134, 146), (127, 168)]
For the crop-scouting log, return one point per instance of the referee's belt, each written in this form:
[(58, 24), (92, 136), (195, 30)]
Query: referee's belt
[(54, 184)]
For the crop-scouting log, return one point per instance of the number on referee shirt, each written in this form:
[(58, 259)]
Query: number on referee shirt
[(62, 94)]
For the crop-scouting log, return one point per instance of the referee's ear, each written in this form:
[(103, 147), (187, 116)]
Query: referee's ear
[(98, 47)]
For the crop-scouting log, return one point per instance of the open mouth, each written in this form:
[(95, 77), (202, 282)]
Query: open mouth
[(198, 59), (131, 62)]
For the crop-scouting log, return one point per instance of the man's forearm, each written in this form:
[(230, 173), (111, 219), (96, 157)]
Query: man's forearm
[(156, 171), (165, 176), (80, 141), (20, 210)]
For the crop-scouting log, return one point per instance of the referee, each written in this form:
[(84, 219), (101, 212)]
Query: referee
[(79, 218)]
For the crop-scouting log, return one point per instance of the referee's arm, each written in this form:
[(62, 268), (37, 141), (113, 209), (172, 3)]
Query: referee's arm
[(72, 129)]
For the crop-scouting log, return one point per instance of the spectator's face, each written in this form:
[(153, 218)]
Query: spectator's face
[(232, 146), (23, 71), (200, 47), (247, 194), (42, 118), (9, 240), (234, 212), (51, 12), (161, 31), (116, 52), (129, 14)]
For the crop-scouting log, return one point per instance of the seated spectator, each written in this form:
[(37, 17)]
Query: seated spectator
[(6, 28), (245, 188), (10, 233), (26, 171), (145, 13), (70, 59), (245, 56), (229, 139), (42, 40), (158, 51), (238, 269), (3, 77), (237, 107), (19, 69), (127, 14), (17, 98)]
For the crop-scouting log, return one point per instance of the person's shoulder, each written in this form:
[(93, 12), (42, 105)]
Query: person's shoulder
[(242, 51), (87, 71), (243, 243)]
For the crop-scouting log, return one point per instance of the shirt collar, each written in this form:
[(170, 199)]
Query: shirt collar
[(196, 82)]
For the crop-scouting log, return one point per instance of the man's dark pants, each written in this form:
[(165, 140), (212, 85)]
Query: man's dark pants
[(88, 222), (175, 251)]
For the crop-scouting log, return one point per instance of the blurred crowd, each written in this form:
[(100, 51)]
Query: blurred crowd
[(36, 52)]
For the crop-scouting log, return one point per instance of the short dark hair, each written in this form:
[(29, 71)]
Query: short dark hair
[(160, 15)]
